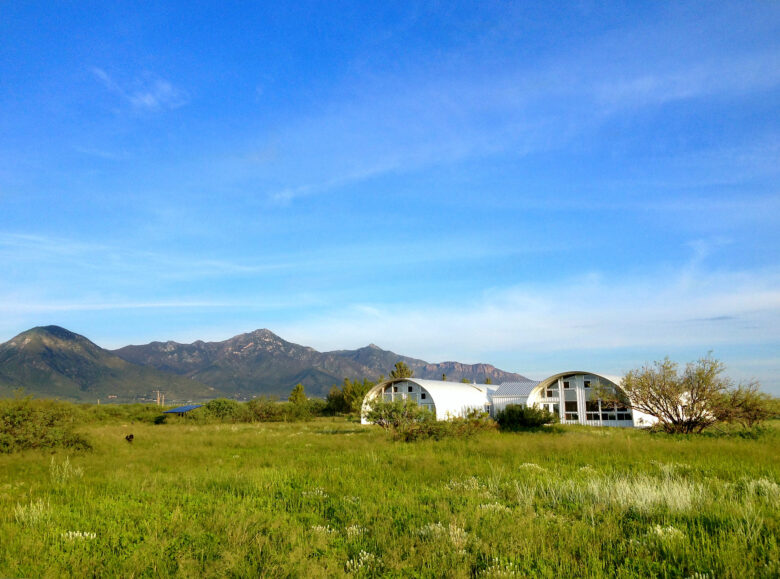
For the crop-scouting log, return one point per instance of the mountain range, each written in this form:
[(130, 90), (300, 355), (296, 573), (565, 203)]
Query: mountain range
[(53, 362)]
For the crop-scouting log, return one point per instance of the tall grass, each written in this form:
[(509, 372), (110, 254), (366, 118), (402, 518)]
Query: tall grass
[(332, 498)]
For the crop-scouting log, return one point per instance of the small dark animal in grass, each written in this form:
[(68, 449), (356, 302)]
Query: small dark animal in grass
[(129, 438)]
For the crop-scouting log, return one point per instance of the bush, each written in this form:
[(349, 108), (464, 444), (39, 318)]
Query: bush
[(26, 423), (265, 409), (518, 417), (409, 422), (224, 409)]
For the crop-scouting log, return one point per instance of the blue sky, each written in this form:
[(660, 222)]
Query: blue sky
[(538, 187)]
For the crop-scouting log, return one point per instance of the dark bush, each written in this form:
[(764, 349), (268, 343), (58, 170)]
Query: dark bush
[(26, 423), (518, 417)]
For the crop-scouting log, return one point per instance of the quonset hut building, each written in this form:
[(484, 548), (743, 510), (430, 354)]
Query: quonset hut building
[(569, 395)]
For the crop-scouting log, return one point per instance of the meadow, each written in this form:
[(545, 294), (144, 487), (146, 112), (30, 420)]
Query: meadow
[(330, 497)]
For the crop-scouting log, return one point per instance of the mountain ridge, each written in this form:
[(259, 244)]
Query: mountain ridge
[(54, 361)]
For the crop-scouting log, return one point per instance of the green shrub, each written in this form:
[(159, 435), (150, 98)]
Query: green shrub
[(518, 417), (26, 423), (265, 409), (409, 422)]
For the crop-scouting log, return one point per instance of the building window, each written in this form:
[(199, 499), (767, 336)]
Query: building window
[(556, 409), (571, 406), (572, 416), (587, 383), (566, 385), (422, 396), (411, 388), (395, 388)]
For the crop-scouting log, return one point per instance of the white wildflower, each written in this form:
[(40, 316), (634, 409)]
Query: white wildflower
[(323, 529), (354, 531), (502, 568), (364, 561), (496, 507), (78, 536), (531, 466), (667, 533), (316, 492)]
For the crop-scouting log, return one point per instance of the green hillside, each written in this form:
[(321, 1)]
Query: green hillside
[(53, 362)]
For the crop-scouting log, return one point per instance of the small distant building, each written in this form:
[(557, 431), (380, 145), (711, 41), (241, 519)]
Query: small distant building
[(572, 396)]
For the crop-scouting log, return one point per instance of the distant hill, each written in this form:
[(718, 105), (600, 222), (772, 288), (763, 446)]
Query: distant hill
[(261, 362), (53, 362)]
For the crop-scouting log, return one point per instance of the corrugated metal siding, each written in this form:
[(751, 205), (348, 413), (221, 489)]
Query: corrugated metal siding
[(513, 389)]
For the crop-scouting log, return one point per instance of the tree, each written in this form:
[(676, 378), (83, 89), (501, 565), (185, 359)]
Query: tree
[(465, 381), (488, 381), (297, 396), (443, 377), (401, 371), (349, 397), (746, 405), (683, 402)]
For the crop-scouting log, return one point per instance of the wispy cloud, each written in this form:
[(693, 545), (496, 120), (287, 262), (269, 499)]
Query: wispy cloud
[(428, 117), (594, 312), (691, 80), (147, 92)]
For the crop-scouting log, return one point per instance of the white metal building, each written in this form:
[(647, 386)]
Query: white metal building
[(444, 399), (569, 395)]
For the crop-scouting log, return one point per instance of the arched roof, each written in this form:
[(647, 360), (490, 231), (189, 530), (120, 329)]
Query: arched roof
[(614, 380), (450, 398)]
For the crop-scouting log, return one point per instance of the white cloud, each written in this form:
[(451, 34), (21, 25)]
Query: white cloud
[(583, 313), (147, 92)]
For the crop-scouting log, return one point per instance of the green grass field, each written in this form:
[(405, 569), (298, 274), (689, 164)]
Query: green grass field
[(332, 498)]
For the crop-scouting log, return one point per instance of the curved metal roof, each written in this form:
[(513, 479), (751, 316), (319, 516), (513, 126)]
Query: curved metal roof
[(449, 398)]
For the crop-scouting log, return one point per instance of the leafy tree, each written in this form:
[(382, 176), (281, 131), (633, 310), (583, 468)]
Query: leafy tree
[(397, 413), (746, 405), (297, 396), (348, 398), (689, 401), (401, 371), (335, 403)]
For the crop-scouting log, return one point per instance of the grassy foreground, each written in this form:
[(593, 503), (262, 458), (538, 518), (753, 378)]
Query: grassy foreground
[(331, 498)]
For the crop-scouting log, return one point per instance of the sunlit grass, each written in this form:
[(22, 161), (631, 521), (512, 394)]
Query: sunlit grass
[(333, 498)]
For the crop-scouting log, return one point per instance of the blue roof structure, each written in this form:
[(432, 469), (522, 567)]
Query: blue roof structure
[(182, 409)]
